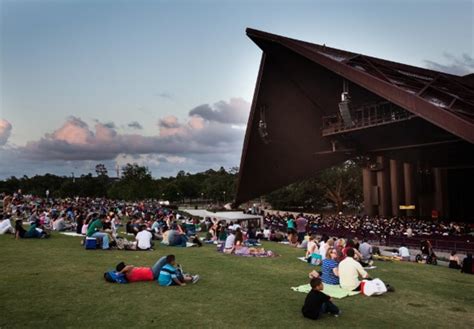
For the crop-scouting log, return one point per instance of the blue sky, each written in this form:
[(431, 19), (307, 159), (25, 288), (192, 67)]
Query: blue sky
[(78, 75)]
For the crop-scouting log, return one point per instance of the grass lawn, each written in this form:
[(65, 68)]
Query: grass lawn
[(56, 283)]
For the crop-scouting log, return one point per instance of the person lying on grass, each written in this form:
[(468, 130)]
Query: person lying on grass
[(36, 230), (171, 274), (136, 274), (317, 302)]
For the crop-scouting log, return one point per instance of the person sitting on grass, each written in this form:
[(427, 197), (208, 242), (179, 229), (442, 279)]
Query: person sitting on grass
[(239, 238), (454, 261), (176, 237), (143, 239), (292, 237), (349, 272), (365, 250), (229, 245), (95, 230), (170, 275), (222, 233), (312, 247), (5, 225), (467, 265), (330, 271), (350, 244), (404, 253), (317, 302)]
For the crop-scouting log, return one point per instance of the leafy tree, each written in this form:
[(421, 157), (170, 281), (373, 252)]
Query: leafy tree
[(342, 184), (135, 172), (101, 170)]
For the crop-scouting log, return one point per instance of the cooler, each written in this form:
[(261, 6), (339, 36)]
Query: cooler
[(91, 243)]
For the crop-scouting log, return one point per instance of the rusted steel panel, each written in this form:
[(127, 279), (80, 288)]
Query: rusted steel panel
[(413, 103)]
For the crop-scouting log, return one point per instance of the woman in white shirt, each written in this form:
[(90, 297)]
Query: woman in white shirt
[(312, 247)]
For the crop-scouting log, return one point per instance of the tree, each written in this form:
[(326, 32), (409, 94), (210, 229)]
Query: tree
[(342, 184), (101, 170), (135, 172)]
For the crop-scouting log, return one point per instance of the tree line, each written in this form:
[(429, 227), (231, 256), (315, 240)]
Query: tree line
[(339, 186)]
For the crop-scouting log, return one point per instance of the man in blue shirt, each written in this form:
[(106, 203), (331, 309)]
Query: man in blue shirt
[(170, 275)]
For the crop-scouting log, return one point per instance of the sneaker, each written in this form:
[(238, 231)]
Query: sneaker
[(338, 314), (390, 288), (195, 278)]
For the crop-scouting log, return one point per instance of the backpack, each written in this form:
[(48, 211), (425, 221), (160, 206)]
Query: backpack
[(115, 277), (373, 287)]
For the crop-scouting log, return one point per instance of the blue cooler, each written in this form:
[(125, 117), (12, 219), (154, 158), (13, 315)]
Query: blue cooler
[(91, 243)]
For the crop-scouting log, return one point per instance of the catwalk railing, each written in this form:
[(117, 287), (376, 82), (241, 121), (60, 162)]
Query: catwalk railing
[(366, 116)]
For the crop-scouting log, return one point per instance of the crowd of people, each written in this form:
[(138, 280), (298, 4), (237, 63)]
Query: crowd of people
[(343, 261), (367, 226)]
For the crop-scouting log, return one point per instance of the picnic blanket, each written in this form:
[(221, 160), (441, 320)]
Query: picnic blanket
[(385, 258), (306, 261), (244, 252), (267, 253), (72, 234), (188, 245), (329, 289)]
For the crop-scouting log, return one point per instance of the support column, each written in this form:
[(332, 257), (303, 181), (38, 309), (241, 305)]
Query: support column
[(408, 179), (383, 182), (368, 180), (395, 186), (440, 192)]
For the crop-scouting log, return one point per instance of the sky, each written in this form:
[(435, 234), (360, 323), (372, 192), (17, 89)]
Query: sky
[(168, 84)]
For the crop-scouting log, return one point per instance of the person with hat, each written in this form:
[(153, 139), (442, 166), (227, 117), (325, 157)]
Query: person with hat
[(229, 244)]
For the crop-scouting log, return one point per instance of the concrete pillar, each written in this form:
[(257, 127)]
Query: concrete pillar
[(383, 182), (368, 180), (409, 184), (440, 191), (395, 186)]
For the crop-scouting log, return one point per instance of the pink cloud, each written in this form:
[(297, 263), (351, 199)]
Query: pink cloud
[(5, 131)]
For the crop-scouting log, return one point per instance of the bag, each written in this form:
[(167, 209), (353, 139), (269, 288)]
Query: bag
[(316, 259), (373, 287), (115, 277)]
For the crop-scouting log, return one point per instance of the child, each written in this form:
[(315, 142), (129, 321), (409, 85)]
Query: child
[(317, 302)]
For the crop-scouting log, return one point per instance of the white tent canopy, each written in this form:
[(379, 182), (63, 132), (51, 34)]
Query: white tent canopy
[(228, 216)]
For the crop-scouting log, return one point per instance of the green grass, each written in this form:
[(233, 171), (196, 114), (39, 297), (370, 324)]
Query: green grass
[(56, 283)]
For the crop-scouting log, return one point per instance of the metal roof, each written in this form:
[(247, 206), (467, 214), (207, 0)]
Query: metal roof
[(443, 99)]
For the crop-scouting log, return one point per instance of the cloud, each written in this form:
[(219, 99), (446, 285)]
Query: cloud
[(201, 141), (455, 65), (235, 111), (110, 125), (135, 125), (5, 131), (76, 140), (165, 95)]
